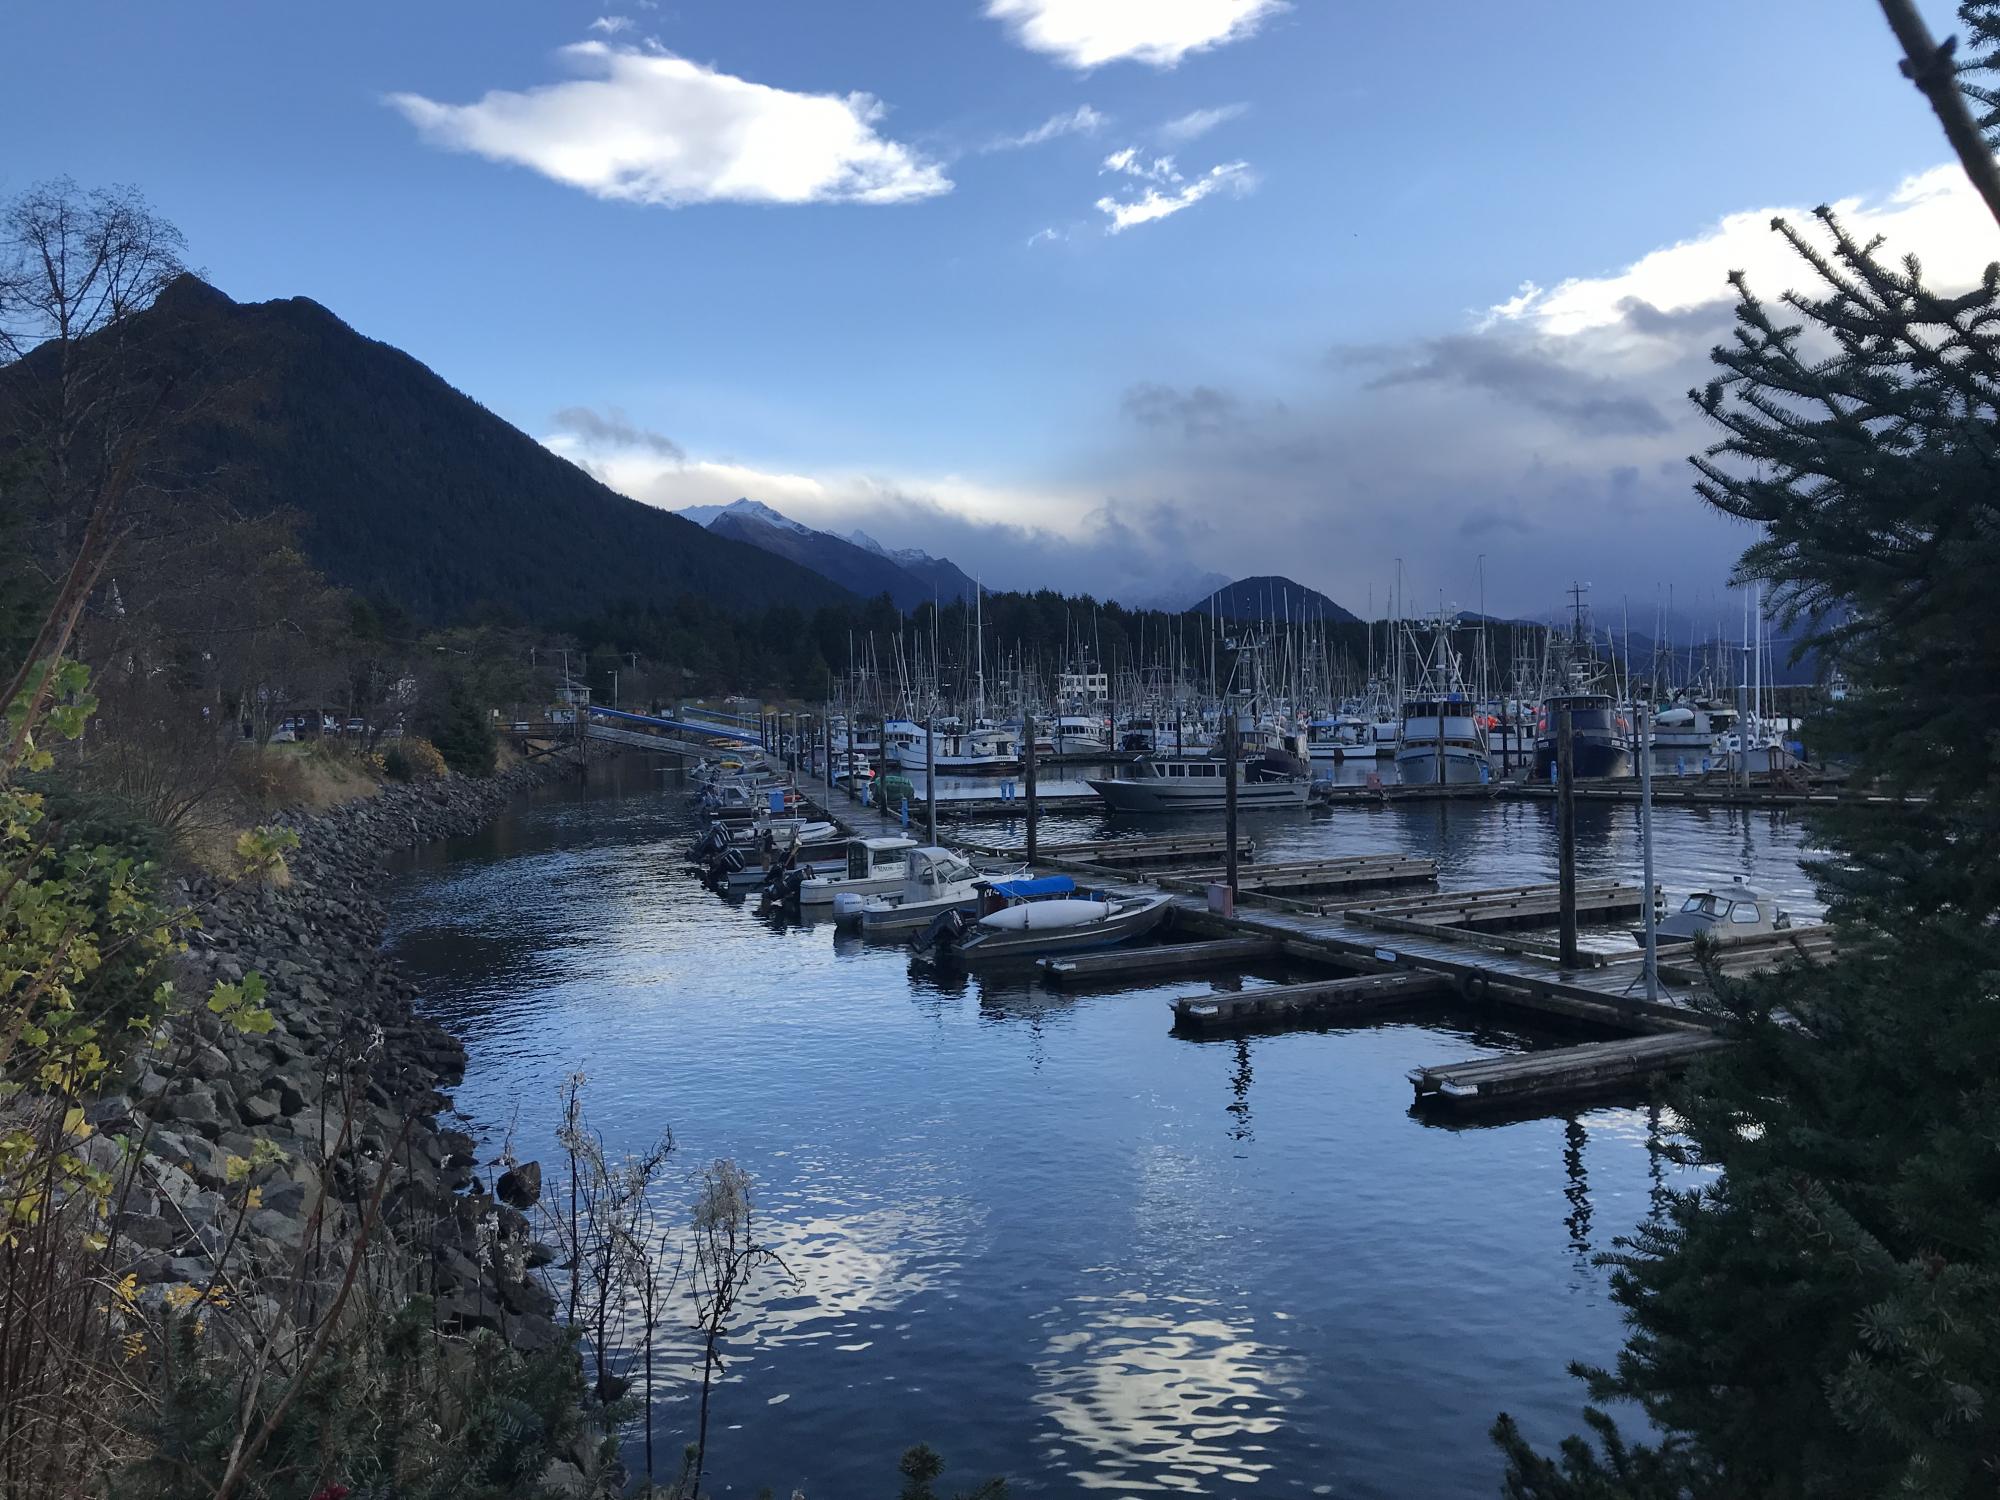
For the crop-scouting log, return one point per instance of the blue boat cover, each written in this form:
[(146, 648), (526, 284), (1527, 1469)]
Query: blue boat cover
[(1028, 890)]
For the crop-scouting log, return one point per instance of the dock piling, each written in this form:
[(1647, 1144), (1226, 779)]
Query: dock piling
[(1566, 832)]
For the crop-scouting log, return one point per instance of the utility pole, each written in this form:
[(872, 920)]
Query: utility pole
[(1566, 833)]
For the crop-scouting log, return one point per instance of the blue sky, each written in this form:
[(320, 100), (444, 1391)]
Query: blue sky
[(569, 209)]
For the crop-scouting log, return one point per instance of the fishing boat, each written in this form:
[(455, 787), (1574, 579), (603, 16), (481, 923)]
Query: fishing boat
[(1038, 918), (1159, 783), (980, 751), (1440, 732), (875, 867), (1442, 742), (1598, 744), (1078, 734), (1733, 910), (934, 880)]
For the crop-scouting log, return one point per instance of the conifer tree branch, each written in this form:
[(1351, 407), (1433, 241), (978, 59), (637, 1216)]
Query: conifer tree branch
[(1929, 66)]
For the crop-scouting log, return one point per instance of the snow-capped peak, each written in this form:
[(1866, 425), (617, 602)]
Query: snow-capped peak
[(867, 543), (743, 510)]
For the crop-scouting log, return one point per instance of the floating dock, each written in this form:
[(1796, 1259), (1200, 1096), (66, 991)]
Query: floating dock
[(1315, 876), (1322, 1002), (1565, 1072), (1120, 964)]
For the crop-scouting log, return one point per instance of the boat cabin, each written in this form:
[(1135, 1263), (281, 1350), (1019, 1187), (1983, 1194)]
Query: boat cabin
[(872, 857), (1725, 911), (931, 869)]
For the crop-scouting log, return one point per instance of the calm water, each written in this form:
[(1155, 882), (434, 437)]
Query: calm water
[(1035, 1229)]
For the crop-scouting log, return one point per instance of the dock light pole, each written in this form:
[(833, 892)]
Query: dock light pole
[(1566, 833), (1229, 767), (930, 777), (1645, 713), (1028, 749)]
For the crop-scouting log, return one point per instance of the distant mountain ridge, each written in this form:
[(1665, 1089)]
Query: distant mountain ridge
[(1273, 597), (407, 490), (857, 562)]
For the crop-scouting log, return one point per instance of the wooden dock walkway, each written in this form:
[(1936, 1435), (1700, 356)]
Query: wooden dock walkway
[(1566, 1072), (1319, 1003), (1125, 853)]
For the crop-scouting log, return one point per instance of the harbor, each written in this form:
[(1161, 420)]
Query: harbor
[(1045, 1157)]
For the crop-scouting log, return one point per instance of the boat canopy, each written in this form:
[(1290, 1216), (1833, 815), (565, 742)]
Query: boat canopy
[(1031, 890)]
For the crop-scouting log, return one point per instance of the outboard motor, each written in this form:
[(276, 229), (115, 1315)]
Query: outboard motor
[(947, 930), (723, 865)]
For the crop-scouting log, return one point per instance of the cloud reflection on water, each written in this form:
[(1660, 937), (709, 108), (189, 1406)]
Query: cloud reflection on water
[(1160, 1393)]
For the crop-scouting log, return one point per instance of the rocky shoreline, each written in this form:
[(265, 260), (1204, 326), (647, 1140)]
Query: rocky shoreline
[(341, 1098)]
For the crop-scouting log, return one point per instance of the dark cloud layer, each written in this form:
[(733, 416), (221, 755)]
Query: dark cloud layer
[(612, 429)]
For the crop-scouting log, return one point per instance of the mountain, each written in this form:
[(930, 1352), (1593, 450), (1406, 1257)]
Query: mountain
[(407, 490), (1269, 597), (943, 579), (857, 562)]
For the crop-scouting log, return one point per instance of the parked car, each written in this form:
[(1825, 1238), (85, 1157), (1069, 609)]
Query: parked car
[(358, 728)]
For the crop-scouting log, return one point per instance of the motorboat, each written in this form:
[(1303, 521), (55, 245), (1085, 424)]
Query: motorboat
[(875, 867), (1724, 911), (1598, 741), (1450, 727), (1038, 918), (934, 880), (1162, 783)]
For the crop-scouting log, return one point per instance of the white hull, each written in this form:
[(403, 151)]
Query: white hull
[(822, 892), (911, 916), (1416, 765)]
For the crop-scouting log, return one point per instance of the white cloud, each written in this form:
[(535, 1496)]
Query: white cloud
[(1090, 33), (1083, 120), (1199, 122), (1128, 161), (655, 128), (1234, 176), (611, 25), (1046, 237), (1936, 214)]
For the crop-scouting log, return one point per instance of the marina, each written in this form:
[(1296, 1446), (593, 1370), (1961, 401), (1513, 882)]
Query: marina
[(1075, 1237)]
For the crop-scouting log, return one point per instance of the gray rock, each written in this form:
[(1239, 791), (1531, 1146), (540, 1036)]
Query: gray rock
[(521, 1186), (565, 1479), (146, 1231), (260, 1108), (280, 1229)]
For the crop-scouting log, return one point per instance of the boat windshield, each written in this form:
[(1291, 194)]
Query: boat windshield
[(1703, 905), (1745, 911)]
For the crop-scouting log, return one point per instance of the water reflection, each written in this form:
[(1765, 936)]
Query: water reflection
[(1160, 1393), (1239, 1088), (1577, 1189)]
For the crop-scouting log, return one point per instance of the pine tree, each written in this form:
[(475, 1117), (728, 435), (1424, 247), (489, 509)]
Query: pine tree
[(1822, 1317)]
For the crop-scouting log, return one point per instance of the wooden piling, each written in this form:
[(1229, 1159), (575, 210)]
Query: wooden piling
[(1230, 771), (1566, 833), (1028, 749)]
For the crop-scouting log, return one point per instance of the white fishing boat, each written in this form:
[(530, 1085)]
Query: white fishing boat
[(1449, 727), (935, 880), (1157, 783), (875, 867), (980, 751), (1078, 734)]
